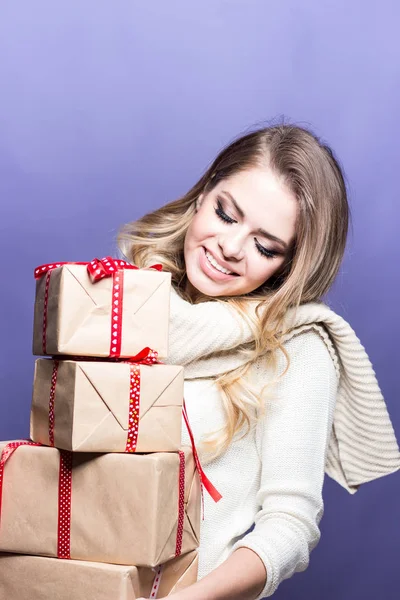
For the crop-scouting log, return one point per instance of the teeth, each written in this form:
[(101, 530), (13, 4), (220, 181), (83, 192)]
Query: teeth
[(214, 263)]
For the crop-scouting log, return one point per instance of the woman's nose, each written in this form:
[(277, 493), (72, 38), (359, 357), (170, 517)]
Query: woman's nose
[(232, 246)]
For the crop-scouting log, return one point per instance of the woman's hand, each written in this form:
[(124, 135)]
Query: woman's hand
[(240, 577)]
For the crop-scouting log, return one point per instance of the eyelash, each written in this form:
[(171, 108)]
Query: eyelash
[(224, 217)]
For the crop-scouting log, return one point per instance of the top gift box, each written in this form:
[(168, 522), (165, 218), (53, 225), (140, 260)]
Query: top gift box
[(105, 308)]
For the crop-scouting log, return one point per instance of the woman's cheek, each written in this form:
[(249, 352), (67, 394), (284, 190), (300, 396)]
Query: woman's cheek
[(263, 272)]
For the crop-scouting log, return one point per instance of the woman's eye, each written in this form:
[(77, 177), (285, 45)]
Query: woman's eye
[(264, 251), (222, 214), (227, 219)]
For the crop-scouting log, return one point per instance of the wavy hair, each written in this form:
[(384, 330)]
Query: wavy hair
[(309, 169)]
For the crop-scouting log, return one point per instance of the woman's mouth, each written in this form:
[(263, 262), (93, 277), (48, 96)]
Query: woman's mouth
[(216, 265), (211, 267)]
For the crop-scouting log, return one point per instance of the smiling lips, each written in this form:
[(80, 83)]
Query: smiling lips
[(216, 264), (212, 268)]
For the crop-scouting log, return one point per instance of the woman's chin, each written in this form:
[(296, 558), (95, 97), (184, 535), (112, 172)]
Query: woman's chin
[(197, 287)]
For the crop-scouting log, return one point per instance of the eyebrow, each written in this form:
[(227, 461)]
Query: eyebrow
[(261, 231)]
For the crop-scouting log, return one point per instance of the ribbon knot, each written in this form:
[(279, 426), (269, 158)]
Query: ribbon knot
[(105, 267), (147, 356), (98, 268)]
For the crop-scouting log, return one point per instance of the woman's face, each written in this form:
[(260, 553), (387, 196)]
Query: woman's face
[(240, 234)]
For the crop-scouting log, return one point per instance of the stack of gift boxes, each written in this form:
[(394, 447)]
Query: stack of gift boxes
[(102, 502)]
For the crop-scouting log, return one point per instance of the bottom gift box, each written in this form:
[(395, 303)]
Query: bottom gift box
[(141, 509), (41, 578)]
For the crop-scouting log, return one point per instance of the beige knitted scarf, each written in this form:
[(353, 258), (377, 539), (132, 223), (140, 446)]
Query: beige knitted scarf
[(205, 338)]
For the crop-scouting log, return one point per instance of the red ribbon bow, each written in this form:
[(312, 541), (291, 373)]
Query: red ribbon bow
[(147, 356), (97, 268)]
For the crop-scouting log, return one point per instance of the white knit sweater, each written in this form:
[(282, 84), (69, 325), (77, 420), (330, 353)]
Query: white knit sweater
[(326, 414)]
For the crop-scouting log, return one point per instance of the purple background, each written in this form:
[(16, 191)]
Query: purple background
[(109, 109)]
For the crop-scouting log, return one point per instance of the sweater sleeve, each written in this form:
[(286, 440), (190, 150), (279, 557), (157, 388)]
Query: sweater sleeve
[(293, 441), (200, 329)]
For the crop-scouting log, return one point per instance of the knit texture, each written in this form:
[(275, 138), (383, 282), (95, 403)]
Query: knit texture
[(206, 337), (326, 414), (273, 477)]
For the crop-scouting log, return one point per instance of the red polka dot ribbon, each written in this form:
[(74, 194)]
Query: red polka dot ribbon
[(97, 269), (7, 452), (156, 582), (64, 505), (149, 357), (134, 404), (52, 401), (181, 503)]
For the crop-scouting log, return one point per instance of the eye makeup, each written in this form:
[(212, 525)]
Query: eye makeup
[(222, 214), (264, 251), (227, 219)]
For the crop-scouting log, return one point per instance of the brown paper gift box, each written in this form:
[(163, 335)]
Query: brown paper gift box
[(91, 406), (41, 578), (79, 313), (124, 507)]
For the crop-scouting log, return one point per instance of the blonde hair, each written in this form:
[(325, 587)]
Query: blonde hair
[(311, 172)]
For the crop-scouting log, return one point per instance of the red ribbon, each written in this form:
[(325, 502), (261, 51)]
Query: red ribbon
[(97, 269), (146, 357), (134, 406), (64, 505), (52, 401), (181, 503), (204, 481)]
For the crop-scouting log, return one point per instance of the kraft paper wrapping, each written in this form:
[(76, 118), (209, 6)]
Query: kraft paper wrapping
[(124, 506), (91, 406), (40, 578), (79, 313)]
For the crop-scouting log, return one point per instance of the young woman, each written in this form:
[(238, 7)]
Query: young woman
[(278, 388)]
